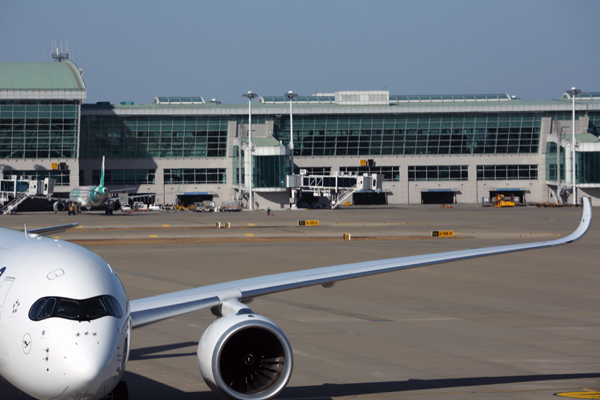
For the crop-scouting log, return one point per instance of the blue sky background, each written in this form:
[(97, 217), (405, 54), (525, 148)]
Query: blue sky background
[(135, 51)]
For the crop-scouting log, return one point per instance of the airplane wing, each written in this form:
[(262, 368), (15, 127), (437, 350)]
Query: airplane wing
[(53, 229), (126, 190), (152, 309), (134, 196), (51, 198)]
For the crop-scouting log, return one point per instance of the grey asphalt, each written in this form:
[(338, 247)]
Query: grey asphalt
[(519, 326)]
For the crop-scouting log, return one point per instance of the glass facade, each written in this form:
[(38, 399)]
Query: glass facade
[(506, 172), (63, 178), (551, 159), (195, 175), (337, 135), (236, 166), (125, 176), (390, 174), (270, 171), (594, 126), (587, 167), (438, 173), (143, 137), (38, 129)]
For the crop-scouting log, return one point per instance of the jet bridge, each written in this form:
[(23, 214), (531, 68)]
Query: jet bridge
[(16, 189), (338, 187)]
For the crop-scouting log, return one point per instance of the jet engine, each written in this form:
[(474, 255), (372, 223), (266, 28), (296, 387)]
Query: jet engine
[(58, 206), (245, 356), (112, 206)]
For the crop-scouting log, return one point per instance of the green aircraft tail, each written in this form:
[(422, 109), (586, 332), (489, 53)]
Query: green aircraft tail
[(102, 174)]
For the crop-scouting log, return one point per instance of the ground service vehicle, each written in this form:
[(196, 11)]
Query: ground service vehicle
[(230, 206), (501, 201), (204, 206)]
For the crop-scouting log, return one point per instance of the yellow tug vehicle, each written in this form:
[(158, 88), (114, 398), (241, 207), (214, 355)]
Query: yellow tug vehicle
[(501, 201)]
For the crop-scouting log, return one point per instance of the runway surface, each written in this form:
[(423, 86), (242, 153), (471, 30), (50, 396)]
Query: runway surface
[(519, 326)]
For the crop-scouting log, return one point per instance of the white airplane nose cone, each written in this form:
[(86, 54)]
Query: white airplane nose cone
[(87, 368), (92, 365)]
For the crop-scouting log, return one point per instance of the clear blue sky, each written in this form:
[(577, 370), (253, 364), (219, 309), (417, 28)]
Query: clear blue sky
[(137, 50)]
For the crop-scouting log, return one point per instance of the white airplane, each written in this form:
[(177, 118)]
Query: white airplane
[(85, 196), (66, 321), (90, 196)]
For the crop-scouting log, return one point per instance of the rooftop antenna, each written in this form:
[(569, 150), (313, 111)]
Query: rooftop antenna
[(60, 57)]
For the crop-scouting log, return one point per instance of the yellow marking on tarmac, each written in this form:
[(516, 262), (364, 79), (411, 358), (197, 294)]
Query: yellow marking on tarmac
[(153, 236), (250, 224), (166, 225), (54, 237), (250, 234), (586, 394)]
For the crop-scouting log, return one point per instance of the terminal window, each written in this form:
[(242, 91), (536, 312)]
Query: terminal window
[(143, 137), (424, 134), (38, 129), (506, 172), (438, 173), (125, 176), (195, 175)]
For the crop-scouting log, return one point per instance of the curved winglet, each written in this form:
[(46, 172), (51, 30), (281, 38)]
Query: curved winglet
[(584, 225)]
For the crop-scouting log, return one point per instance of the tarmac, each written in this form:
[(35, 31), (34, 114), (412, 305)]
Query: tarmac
[(519, 326)]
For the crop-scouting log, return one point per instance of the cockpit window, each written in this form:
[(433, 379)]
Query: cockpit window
[(35, 308), (94, 308), (47, 308), (113, 306), (69, 309), (78, 310)]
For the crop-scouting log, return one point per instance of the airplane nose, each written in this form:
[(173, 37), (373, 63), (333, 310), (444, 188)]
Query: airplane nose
[(92, 365), (87, 364)]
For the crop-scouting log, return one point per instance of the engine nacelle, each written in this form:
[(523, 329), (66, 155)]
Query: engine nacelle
[(58, 206), (245, 357)]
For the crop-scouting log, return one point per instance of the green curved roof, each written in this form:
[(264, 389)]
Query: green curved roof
[(40, 76)]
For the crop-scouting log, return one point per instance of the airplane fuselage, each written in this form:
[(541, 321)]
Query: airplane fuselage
[(64, 319), (89, 196)]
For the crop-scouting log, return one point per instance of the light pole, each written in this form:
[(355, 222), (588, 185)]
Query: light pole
[(250, 95), (573, 92), (291, 96)]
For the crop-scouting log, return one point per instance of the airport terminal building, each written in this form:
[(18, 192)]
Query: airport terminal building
[(413, 149)]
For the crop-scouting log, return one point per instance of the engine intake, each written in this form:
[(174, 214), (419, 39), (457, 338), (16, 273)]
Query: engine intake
[(58, 206), (245, 357)]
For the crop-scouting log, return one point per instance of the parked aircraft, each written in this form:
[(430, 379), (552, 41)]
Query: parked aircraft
[(66, 322), (90, 196)]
